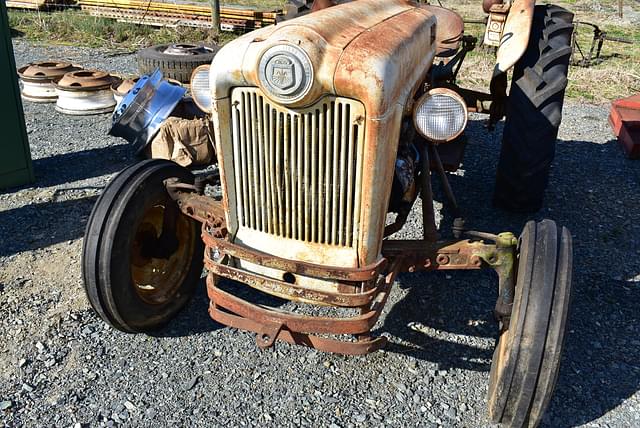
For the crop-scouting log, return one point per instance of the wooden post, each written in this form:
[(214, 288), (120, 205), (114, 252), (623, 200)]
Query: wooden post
[(620, 3), (215, 20)]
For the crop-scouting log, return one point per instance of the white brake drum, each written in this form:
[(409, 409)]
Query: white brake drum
[(85, 92), (38, 80)]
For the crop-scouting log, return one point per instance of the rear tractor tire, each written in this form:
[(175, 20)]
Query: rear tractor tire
[(534, 112)]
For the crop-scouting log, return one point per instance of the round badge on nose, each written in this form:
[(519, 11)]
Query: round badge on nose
[(285, 73)]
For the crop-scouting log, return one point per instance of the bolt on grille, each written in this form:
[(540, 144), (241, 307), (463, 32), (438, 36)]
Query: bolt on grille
[(297, 172)]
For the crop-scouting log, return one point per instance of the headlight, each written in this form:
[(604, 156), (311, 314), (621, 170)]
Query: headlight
[(200, 89), (440, 115)]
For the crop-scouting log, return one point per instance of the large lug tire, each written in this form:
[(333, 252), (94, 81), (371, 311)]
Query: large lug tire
[(526, 360), (175, 66), (534, 112), (134, 278)]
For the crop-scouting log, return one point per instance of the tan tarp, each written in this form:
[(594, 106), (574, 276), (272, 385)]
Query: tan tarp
[(184, 141)]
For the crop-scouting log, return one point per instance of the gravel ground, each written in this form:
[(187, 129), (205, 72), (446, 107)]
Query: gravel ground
[(62, 366)]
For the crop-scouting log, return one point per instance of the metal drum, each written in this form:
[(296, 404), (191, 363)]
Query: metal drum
[(38, 80), (85, 92)]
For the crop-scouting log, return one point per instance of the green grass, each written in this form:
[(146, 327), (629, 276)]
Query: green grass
[(74, 27), (616, 76)]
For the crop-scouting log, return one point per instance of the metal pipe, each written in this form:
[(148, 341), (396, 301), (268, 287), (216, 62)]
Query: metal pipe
[(445, 181), (430, 233)]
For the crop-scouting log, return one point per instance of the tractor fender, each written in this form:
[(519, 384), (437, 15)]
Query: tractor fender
[(515, 35), (449, 30)]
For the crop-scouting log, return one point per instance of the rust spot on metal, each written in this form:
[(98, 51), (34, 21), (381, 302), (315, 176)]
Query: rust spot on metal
[(442, 259), (86, 80)]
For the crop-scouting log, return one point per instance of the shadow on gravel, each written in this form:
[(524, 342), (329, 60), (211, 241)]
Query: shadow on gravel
[(43, 224), (74, 166), (594, 191), (442, 306), (195, 319), (63, 214)]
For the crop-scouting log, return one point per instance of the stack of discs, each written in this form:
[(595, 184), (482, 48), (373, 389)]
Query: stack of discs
[(85, 92), (38, 80)]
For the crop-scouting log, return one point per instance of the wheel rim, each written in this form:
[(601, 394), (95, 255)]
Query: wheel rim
[(156, 280), (186, 49)]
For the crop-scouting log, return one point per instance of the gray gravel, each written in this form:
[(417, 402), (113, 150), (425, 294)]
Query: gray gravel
[(61, 366)]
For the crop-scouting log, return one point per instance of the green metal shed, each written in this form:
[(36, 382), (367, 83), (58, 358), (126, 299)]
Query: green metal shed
[(15, 157)]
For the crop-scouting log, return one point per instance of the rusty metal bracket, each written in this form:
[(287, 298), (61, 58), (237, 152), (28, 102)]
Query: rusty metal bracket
[(465, 255), (318, 324), (295, 338), (503, 261), (271, 325), (197, 206), (267, 337), (437, 255), (366, 273), (290, 291)]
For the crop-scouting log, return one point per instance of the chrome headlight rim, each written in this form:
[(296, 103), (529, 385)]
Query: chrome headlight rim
[(440, 92), (205, 102)]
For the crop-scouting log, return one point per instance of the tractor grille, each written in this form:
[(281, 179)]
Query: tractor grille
[(298, 172)]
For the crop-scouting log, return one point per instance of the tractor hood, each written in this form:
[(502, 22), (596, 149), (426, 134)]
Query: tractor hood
[(374, 51)]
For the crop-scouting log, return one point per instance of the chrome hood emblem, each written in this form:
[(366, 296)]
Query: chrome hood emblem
[(285, 73)]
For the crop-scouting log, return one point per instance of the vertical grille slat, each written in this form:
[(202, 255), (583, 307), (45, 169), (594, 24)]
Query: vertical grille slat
[(322, 144), (278, 168), (314, 175), (299, 179), (328, 141), (255, 170), (297, 172), (344, 142), (335, 154), (249, 161), (350, 187), (306, 186)]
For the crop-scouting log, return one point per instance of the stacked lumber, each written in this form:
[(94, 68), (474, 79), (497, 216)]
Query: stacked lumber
[(29, 4), (232, 18)]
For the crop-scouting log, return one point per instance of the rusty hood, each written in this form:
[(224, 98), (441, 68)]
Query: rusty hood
[(375, 51)]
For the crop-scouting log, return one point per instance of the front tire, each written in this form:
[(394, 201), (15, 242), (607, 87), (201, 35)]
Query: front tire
[(135, 277), (526, 360), (534, 112)]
